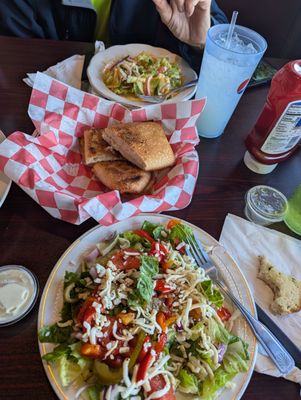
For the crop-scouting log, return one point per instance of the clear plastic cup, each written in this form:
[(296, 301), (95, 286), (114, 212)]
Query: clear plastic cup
[(265, 205), (225, 73)]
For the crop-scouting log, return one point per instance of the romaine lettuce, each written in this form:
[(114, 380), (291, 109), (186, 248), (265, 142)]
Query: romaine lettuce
[(188, 382)]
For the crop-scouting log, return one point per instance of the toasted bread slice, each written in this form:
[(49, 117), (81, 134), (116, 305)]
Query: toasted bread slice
[(287, 290), (96, 149), (142, 143), (122, 176)]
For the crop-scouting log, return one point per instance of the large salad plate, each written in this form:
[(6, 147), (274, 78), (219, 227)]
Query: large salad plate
[(52, 300), (115, 53)]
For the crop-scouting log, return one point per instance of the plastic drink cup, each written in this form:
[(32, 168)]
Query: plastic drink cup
[(225, 73), (293, 215)]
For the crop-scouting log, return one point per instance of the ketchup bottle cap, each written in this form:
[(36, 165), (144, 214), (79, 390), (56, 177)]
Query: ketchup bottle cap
[(257, 166)]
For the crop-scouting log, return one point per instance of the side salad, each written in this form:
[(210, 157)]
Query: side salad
[(142, 321), (143, 74)]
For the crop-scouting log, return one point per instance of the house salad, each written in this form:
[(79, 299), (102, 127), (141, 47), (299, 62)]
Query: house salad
[(142, 321), (143, 74)]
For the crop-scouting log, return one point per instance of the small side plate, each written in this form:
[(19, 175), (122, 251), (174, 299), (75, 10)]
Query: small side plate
[(5, 182)]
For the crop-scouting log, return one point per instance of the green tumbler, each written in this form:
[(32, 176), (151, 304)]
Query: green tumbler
[(293, 215)]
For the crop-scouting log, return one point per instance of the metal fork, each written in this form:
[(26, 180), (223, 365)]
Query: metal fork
[(282, 359), (160, 98)]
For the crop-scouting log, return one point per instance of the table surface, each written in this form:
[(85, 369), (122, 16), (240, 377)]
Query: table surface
[(31, 237)]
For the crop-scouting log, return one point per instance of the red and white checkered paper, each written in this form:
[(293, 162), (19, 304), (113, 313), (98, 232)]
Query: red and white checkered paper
[(50, 170)]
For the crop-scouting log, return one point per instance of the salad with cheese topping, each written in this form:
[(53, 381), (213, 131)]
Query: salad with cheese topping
[(143, 74), (142, 321)]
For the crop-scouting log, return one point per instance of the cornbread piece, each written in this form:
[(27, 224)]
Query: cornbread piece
[(96, 149), (142, 143), (287, 290), (122, 176)]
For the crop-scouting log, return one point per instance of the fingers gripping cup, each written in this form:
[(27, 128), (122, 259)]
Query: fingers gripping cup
[(227, 67)]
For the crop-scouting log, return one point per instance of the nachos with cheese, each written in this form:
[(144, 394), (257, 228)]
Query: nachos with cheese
[(143, 321)]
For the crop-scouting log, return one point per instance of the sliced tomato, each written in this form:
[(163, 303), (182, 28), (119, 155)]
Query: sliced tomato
[(144, 234), (158, 383), (162, 287), (223, 313), (89, 316), (144, 365), (128, 262), (159, 346), (92, 350), (87, 304), (158, 250)]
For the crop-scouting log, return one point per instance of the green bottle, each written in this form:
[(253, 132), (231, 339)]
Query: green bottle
[(293, 215)]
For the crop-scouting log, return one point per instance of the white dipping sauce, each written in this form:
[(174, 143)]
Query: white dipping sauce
[(17, 292)]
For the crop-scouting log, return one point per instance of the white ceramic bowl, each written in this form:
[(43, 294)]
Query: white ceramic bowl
[(101, 59)]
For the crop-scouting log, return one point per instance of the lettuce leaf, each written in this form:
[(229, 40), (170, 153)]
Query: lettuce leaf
[(212, 293), (234, 361), (55, 334), (188, 382), (153, 229), (62, 350), (135, 239), (179, 232), (145, 287)]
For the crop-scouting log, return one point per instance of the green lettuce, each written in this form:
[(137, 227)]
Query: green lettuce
[(55, 334), (153, 229), (179, 233), (144, 291), (188, 382), (136, 240), (212, 293), (62, 350), (234, 361)]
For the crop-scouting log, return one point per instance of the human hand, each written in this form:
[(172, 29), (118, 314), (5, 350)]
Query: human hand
[(188, 20)]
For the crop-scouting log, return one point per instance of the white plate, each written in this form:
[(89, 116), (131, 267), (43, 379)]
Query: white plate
[(99, 61), (5, 182), (51, 300)]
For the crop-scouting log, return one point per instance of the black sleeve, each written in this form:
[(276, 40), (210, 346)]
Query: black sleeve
[(24, 18), (46, 19)]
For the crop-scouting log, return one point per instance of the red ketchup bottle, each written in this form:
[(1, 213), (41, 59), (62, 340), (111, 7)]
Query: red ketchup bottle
[(277, 131)]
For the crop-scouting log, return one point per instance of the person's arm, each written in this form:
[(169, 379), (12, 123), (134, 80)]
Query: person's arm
[(189, 21), (19, 18)]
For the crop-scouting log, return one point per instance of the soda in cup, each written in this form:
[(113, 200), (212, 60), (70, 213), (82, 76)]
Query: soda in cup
[(226, 69)]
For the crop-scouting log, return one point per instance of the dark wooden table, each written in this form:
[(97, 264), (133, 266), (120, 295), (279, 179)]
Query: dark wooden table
[(31, 237)]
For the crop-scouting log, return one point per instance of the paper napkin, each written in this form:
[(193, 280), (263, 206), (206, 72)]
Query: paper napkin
[(245, 241), (68, 71)]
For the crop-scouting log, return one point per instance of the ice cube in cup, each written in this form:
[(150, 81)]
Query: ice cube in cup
[(225, 73)]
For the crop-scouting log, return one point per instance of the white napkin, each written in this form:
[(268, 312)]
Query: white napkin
[(68, 71), (245, 241)]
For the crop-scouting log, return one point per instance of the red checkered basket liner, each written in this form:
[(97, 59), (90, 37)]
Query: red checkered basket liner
[(49, 167)]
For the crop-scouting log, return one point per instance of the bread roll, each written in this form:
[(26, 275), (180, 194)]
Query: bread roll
[(96, 149), (142, 143), (122, 176)]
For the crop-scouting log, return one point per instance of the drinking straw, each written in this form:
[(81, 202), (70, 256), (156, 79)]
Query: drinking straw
[(231, 29)]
